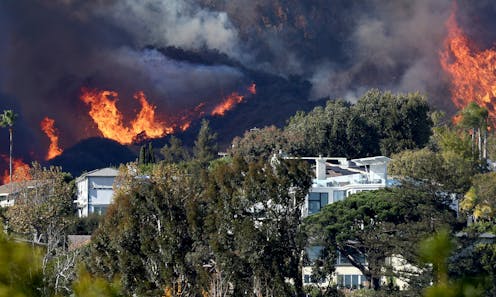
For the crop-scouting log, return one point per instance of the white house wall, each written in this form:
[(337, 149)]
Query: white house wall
[(100, 190), (82, 198)]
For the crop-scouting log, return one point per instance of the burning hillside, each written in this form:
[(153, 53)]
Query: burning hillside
[(146, 124), (184, 60)]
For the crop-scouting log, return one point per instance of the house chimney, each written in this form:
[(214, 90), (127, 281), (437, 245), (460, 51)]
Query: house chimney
[(320, 168)]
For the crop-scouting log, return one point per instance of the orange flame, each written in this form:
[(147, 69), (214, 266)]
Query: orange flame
[(472, 71), (109, 119), (227, 104), (231, 101), (47, 126), (20, 170)]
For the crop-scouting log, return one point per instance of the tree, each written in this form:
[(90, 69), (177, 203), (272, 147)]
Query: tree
[(87, 285), (151, 249), (474, 117), (375, 225), (253, 224), (174, 152), (205, 148), (320, 132), (437, 250), (402, 121), (227, 229), (260, 143), (480, 200), (447, 172), (20, 269), (146, 155), (42, 213), (379, 123), (7, 119)]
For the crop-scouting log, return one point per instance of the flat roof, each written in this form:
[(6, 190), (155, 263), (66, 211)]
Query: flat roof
[(371, 160)]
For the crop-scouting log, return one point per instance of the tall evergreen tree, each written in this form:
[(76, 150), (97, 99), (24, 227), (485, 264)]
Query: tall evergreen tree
[(205, 148), (174, 152)]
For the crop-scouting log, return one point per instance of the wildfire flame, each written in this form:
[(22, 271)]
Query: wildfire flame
[(48, 127), (231, 101), (472, 71), (227, 104), (109, 119), (20, 170)]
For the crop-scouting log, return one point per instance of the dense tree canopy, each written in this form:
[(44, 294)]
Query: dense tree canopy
[(234, 225), (375, 225), (380, 123)]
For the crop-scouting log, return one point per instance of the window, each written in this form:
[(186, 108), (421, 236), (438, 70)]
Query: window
[(316, 201), (354, 281), (343, 260), (338, 195), (307, 279), (314, 252), (100, 209)]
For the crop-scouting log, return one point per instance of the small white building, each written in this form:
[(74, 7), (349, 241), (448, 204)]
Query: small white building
[(6, 195), (335, 179), (10, 191), (95, 191)]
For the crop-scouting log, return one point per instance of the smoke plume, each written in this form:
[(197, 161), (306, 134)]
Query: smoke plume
[(49, 50)]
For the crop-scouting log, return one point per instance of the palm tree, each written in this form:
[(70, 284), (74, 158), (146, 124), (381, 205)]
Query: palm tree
[(7, 119)]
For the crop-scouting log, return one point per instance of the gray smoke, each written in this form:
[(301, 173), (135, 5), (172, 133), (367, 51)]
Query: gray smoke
[(49, 50), (394, 46)]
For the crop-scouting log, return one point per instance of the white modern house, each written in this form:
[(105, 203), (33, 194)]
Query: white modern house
[(335, 179), (95, 191)]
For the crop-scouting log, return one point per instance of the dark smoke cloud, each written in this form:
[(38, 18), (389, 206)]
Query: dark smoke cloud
[(50, 49)]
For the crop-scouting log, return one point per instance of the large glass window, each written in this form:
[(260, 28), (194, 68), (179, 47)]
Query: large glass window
[(338, 195), (316, 201), (354, 281)]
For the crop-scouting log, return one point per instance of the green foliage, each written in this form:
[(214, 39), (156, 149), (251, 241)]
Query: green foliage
[(20, 269), (174, 152), (436, 250), (153, 215), (233, 224), (146, 155), (44, 205), (316, 291), (474, 116), (85, 225), (480, 200), (259, 143), (87, 285), (434, 171), (379, 123), (7, 118), (376, 225), (402, 121), (205, 148)]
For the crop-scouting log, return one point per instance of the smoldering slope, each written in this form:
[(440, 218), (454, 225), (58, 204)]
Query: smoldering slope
[(50, 49)]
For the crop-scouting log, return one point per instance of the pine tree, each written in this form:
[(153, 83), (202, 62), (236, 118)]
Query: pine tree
[(142, 155), (205, 144)]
